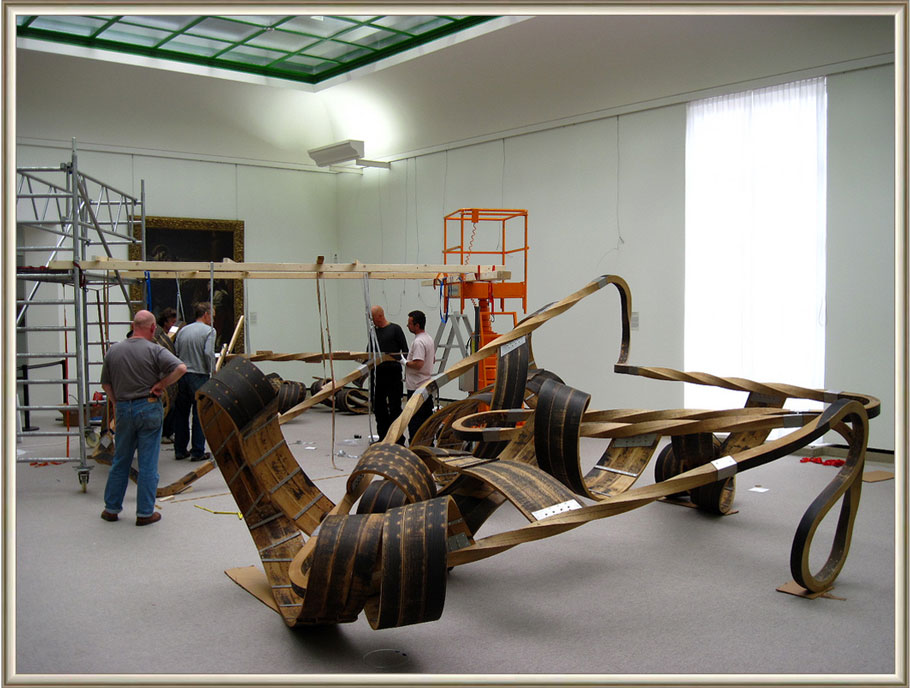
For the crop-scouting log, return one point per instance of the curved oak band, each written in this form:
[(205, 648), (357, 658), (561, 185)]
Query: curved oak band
[(418, 509)]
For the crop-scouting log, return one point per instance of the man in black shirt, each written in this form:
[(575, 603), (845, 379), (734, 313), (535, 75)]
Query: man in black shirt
[(386, 387)]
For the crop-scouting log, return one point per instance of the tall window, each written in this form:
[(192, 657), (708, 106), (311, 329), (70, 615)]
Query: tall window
[(755, 239)]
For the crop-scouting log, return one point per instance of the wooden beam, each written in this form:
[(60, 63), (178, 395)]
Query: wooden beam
[(232, 270)]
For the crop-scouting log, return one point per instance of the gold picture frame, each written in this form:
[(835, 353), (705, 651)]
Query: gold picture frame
[(194, 239)]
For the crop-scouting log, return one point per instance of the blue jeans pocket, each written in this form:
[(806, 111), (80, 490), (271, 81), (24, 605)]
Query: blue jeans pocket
[(152, 417)]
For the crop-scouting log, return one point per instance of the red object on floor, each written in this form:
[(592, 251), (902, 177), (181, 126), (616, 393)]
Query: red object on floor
[(826, 462)]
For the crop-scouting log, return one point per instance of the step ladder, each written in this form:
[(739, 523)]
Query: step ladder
[(456, 334)]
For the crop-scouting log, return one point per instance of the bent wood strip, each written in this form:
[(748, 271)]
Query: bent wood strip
[(345, 557), (619, 467), (437, 430), (329, 390), (527, 487), (181, 484), (380, 496), (871, 404), (632, 499), (522, 329), (275, 535), (474, 499), (557, 428), (847, 486), (509, 386), (280, 477), (405, 530), (413, 568), (290, 394), (105, 456), (397, 464)]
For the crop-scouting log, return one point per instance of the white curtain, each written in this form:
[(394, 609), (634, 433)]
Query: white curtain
[(755, 239)]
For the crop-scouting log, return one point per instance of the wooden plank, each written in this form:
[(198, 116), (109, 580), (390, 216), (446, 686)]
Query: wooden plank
[(233, 274), (233, 270)]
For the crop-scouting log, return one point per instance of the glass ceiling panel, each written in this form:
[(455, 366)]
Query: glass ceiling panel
[(332, 50), (78, 26), (310, 65), (322, 27), (136, 35), (158, 21), (370, 37), (308, 49), (194, 45), (246, 54), (412, 25), (281, 40), (259, 20), (224, 29)]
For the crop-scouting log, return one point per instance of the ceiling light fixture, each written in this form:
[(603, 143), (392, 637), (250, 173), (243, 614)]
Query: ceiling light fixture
[(343, 151)]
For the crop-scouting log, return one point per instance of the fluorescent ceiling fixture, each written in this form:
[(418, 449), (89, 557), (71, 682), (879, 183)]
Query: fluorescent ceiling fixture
[(335, 153), (303, 49), (343, 151)]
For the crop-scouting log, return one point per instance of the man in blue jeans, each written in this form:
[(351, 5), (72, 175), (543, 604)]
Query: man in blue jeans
[(195, 346), (134, 375)]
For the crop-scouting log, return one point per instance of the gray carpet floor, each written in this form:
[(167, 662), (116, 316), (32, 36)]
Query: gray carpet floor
[(658, 595)]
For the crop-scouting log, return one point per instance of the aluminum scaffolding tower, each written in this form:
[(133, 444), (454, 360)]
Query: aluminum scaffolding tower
[(67, 214)]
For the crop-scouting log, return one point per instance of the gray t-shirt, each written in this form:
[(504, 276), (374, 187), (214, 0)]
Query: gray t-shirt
[(195, 345), (132, 366)]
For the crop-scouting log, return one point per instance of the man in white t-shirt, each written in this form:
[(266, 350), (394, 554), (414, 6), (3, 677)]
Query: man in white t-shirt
[(419, 367)]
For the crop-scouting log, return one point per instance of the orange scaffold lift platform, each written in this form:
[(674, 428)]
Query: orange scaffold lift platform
[(498, 232)]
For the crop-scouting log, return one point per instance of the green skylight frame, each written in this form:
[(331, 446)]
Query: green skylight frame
[(307, 49)]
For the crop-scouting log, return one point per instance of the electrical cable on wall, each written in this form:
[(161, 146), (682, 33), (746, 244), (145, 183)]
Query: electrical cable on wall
[(616, 196)]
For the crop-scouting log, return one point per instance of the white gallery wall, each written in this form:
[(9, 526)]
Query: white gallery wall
[(591, 212), (607, 197), (604, 196)]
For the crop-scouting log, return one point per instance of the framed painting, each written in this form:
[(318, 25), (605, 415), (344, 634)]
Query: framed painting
[(193, 239)]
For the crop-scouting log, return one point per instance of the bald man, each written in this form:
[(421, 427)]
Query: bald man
[(135, 374), (386, 387)]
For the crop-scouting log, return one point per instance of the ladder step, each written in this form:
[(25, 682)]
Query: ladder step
[(63, 196), (48, 433), (47, 382), (64, 278), (61, 354), (43, 249), (43, 459), (123, 303), (124, 242), (44, 302), (47, 328), (45, 407)]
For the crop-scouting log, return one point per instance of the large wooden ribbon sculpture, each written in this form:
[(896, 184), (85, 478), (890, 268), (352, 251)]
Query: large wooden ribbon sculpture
[(418, 509)]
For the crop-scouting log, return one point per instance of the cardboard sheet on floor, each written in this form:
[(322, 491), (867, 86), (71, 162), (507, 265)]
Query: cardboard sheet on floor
[(794, 588), (877, 476), (691, 505), (253, 580)]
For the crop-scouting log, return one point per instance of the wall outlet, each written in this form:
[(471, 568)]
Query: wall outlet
[(633, 320), (252, 317)]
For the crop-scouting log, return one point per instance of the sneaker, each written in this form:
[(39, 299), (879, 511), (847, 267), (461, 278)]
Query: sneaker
[(201, 458), (181, 457), (148, 520), (167, 439), (108, 516)]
